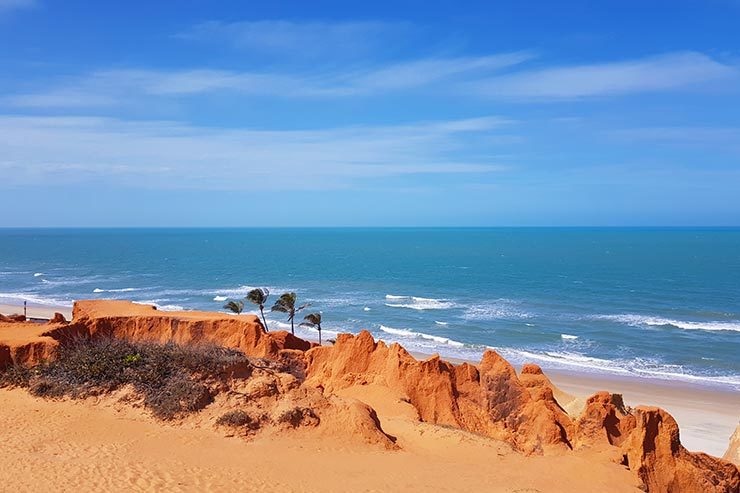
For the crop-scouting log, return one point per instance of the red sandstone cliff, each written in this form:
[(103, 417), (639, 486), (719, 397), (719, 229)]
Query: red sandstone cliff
[(489, 398)]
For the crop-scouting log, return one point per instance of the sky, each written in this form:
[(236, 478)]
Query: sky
[(424, 113)]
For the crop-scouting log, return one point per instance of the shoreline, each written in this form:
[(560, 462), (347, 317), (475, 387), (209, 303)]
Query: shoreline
[(707, 414)]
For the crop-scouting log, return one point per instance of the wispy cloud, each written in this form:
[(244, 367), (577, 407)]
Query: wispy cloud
[(306, 39), (110, 87), (169, 154), (666, 72)]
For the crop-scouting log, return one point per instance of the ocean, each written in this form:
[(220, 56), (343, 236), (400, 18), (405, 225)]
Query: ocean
[(650, 303)]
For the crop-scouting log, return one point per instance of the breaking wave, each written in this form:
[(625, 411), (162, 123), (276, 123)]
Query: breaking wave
[(418, 303), (642, 320), (410, 334)]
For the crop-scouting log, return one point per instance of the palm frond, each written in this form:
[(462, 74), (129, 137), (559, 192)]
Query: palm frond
[(234, 306), (285, 304), (258, 296), (312, 319)]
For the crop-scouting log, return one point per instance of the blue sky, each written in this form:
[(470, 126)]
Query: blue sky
[(197, 113)]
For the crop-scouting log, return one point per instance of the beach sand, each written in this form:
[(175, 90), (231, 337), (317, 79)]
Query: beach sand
[(101, 446), (36, 311)]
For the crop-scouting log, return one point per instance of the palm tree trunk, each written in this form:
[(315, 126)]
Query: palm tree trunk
[(264, 322), (292, 331), (319, 327)]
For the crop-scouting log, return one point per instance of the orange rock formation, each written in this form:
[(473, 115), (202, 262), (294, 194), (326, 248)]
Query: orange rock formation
[(488, 399)]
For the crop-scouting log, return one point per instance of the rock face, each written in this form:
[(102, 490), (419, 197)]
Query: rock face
[(654, 452), (25, 343), (488, 399), (604, 421), (146, 323), (733, 451), (57, 319)]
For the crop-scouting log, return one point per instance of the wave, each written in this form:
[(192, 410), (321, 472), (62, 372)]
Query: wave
[(220, 298), (164, 308), (420, 335), (419, 303), (643, 320), (121, 290), (495, 310), (302, 330), (568, 337), (366, 309), (38, 274), (441, 323), (36, 299), (240, 291), (634, 367)]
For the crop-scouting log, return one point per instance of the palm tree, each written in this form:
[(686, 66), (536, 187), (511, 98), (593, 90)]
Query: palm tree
[(234, 306), (313, 320), (286, 304), (259, 297)]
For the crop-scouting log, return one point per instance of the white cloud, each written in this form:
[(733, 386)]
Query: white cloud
[(111, 87), (168, 154), (667, 72)]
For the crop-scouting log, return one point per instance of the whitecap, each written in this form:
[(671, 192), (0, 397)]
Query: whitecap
[(220, 298), (420, 335), (568, 337), (366, 309), (38, 274), (644, 320), (441, 323), (419, 303)]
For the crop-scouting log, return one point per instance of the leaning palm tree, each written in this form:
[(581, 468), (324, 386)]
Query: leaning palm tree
[(259, 297), (234, 306), (286, 304), (313, 320)]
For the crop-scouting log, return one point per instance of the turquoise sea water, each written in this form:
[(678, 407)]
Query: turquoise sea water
[(653, 303)]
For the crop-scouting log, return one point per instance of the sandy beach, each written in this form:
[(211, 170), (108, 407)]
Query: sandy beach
[(36, 311)]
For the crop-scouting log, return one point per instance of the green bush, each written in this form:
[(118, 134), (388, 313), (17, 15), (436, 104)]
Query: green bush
[(172, 378)]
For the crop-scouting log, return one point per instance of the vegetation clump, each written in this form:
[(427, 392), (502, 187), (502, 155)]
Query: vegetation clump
[(173, 379), (239, 419)]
